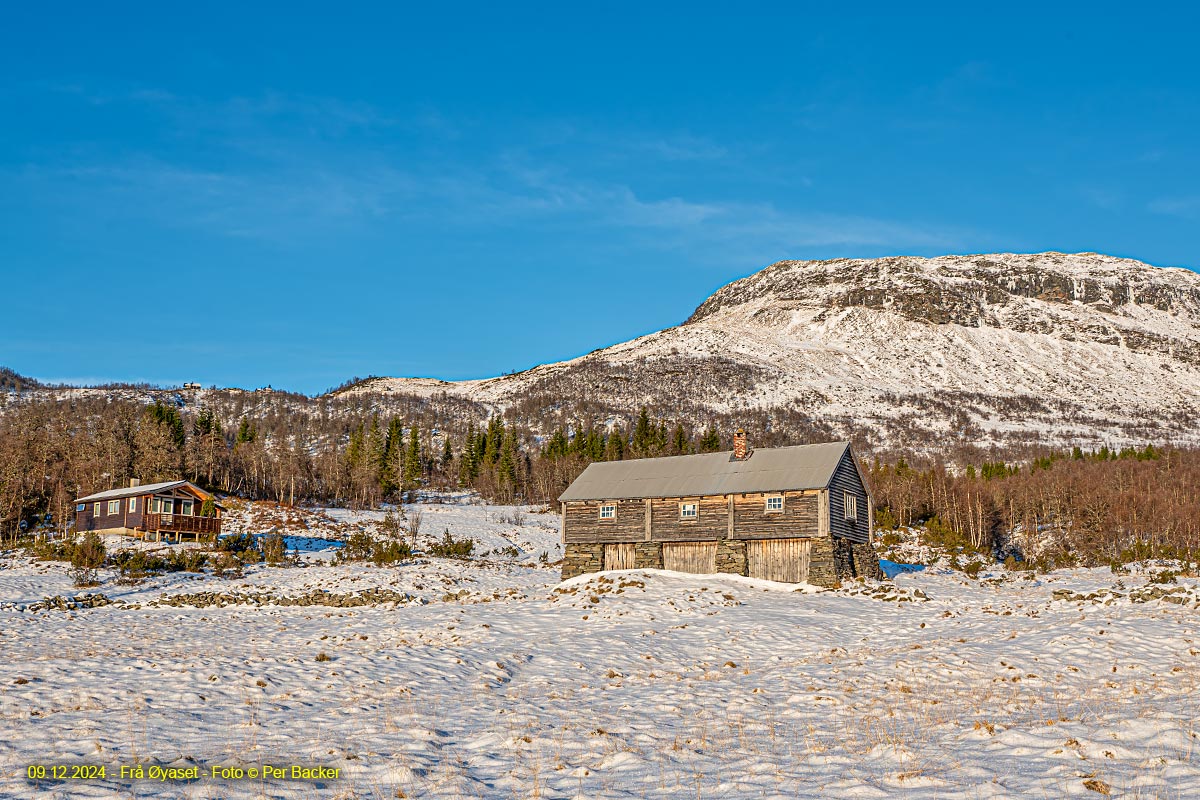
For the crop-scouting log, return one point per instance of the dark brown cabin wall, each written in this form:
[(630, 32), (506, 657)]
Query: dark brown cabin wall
[(798, 518), (582, 523), (711, 524), (107, 521), (134, 518), (846, 479)]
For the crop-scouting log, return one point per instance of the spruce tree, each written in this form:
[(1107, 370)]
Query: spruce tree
[(679, 441), (246, 432), (643, 434), (506, 462), (614, 447), (393, 458), (494, 441), (412, 459), (710, 442)]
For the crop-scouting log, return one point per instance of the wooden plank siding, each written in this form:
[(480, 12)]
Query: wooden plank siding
[(582, 523), (785, 560), (751, 520), (710, 524), (723, 517), (697, 557), (620, 556), (846, 478), (87, 520)]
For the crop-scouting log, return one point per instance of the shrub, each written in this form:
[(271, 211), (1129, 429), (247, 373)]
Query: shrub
[(357, 547), (449, 547), (1166, 576), (186, 561), (973, 569), (87, 558), (274, 548), (46, 550), (237, 543), (228, 565), (884, 519), (390, 552), (133, 566)]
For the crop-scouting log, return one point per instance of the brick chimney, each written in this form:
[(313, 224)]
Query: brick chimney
[(135, 482), (740, 451)]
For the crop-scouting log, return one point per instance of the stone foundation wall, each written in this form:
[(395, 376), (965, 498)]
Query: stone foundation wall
[(822, 570), (647, 555), (581, 558), (855, 560), (731, 557), (866, 562), (843, 559), (831, 561)]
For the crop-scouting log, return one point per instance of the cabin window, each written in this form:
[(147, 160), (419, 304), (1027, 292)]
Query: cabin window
[(95, 509), (132, 505), (774, 504), (689, 510), (81, 507), (185, 507), (850, 505), (156, 505), (168, 506), (114, 506), (608, 511)]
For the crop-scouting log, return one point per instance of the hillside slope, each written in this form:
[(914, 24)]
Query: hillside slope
[(999, 349)]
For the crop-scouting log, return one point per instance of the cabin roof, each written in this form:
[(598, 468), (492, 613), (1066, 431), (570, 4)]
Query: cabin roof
[(135, 491), (777, 469)]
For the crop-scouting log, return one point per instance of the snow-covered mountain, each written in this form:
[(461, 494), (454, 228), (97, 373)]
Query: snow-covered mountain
[(985, 349)]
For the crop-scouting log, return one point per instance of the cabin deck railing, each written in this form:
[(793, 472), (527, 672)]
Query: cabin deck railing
[(181, 523)]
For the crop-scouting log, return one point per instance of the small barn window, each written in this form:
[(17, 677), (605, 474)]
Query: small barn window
[(850, 504), (81, 507), (132, 505), (608, 511), (775, 504), (689, 510), (96, 509), (114, 506)]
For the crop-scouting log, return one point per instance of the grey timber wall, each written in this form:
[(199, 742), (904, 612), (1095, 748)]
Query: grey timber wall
[(798, 519), (846, 479)]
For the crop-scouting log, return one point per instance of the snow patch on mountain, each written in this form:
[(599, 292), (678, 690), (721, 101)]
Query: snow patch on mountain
[(1061, 348)]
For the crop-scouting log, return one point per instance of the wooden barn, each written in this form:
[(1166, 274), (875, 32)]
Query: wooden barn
[(795, 514), (168, 511)]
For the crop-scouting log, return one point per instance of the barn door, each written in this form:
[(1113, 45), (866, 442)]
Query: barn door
[(618, 556), (783, 560), (700, 557)]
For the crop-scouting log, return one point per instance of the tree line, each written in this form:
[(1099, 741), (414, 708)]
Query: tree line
[(1069, 507), (1059, 509)]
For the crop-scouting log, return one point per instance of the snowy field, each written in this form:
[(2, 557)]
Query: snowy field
[(489, 679)]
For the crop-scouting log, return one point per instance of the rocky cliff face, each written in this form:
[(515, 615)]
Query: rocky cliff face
[(989, 350)]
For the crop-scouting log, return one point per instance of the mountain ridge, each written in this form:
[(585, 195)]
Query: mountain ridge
[(1070, 348)]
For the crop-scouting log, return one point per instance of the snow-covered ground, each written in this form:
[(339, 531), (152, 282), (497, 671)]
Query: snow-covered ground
[(625, 684)]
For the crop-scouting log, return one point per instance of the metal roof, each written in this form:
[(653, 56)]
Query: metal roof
[(809, 466), (134, 491)]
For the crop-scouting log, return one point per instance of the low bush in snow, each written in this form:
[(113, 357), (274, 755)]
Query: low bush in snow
[(449, 547)]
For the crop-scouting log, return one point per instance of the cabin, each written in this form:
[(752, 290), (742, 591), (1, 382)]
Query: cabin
[(157, 512), (794, 514)]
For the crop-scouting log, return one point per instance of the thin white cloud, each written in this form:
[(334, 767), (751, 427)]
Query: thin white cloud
[(1187, 207)]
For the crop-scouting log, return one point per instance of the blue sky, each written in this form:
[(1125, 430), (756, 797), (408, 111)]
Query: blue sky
[(295, 195)]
